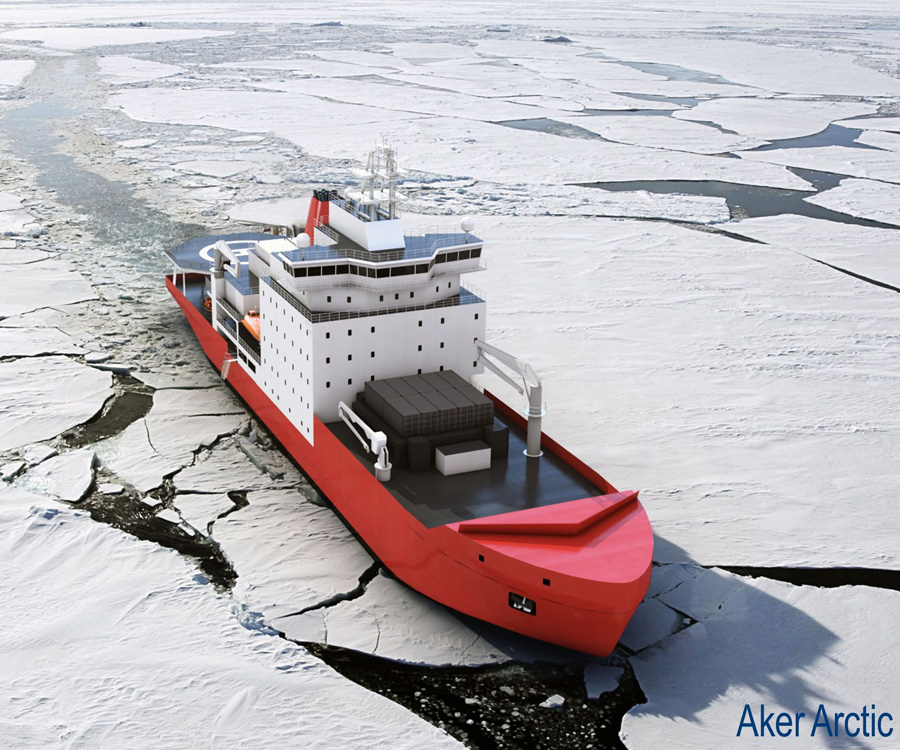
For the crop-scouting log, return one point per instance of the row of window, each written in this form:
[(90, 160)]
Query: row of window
[(372, 377), (384, 272)]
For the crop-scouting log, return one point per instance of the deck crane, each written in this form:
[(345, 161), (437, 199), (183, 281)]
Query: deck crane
[(376, 442), (530, 388)]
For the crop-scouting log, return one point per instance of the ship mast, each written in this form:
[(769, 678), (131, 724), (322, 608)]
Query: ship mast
[(378, 191)]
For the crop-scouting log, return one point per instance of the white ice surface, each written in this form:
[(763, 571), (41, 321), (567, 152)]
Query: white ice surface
[(67, 476), (880, 139), (32, 342), (393, 621), (741, 364), (779, 69), (873, 123), (224, 468), (760, 641), (43, 284), (65, 39), (867, 251), (663, 133), (13, 72), (855, 162), (41, 397), (468, 148), (214, 168), (155, 655), (15, 221), (201, 510), (868, 199), (411, 99), (165, 441), (307, 555), (776, 117), (121, 69), (282, 212)]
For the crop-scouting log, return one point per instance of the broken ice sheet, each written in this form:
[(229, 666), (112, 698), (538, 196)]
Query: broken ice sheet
[(201, 510), (32, 342), (789, 647), (308, 555), (224, 468), (68, 476), (86, 602), (869, 199), (41, 397), (178, 424), (45, 283)]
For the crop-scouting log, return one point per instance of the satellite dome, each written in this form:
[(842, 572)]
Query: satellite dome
[(468, 224), (301, 240)]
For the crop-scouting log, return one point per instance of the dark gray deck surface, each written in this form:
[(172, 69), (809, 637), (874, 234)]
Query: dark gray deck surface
[(514, 483)]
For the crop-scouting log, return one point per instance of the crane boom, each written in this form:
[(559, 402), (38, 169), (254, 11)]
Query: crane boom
[(375, 442), (530, 387)]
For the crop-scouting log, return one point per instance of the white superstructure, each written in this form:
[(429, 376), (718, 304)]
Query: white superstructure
[(364, 301)]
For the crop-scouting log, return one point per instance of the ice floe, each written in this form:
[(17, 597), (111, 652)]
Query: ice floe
[(13, 72), (68, 476), (774, 118), (40, 397), (854, 162), (764, 642), (869, 199), (47, 283), (118, 69), (468, 147), (308, 557), (32, 342), (95, 619)]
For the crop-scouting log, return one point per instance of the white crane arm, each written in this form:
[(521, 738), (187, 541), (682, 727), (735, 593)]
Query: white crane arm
[(375, 442)]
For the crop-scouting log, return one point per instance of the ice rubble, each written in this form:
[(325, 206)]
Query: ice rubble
[(102, 664), (41, 397)]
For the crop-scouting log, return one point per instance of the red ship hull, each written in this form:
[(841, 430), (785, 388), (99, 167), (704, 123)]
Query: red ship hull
[(581, 567)]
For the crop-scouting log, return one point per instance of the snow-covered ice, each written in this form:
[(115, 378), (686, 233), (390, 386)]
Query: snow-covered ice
[(40, 397), (155, 652), (41, 284), (879, 201), (65, 39), (119, 69), (68, 476)]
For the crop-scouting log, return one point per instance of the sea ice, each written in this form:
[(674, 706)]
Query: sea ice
[(14, 72), (33, 342), (869, 199), (43, 284), (201, 510), (107, 633), (41, 397), (224, 468), (68, 476), (774, 118), (600, 678), (843, 160), (791, 648), (63, 38), (308, 555), (664, 133), (468, 148), (118, 69)]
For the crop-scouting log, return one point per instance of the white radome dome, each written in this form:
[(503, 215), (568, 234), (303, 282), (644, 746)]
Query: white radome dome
[(468, 224), (301, 240)]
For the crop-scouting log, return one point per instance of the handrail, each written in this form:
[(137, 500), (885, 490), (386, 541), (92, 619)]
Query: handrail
[(465, 297)]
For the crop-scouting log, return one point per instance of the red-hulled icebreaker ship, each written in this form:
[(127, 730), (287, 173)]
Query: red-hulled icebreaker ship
[(354, 343)]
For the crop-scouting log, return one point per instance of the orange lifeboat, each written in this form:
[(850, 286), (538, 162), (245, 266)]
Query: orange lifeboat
[(251, 323)]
